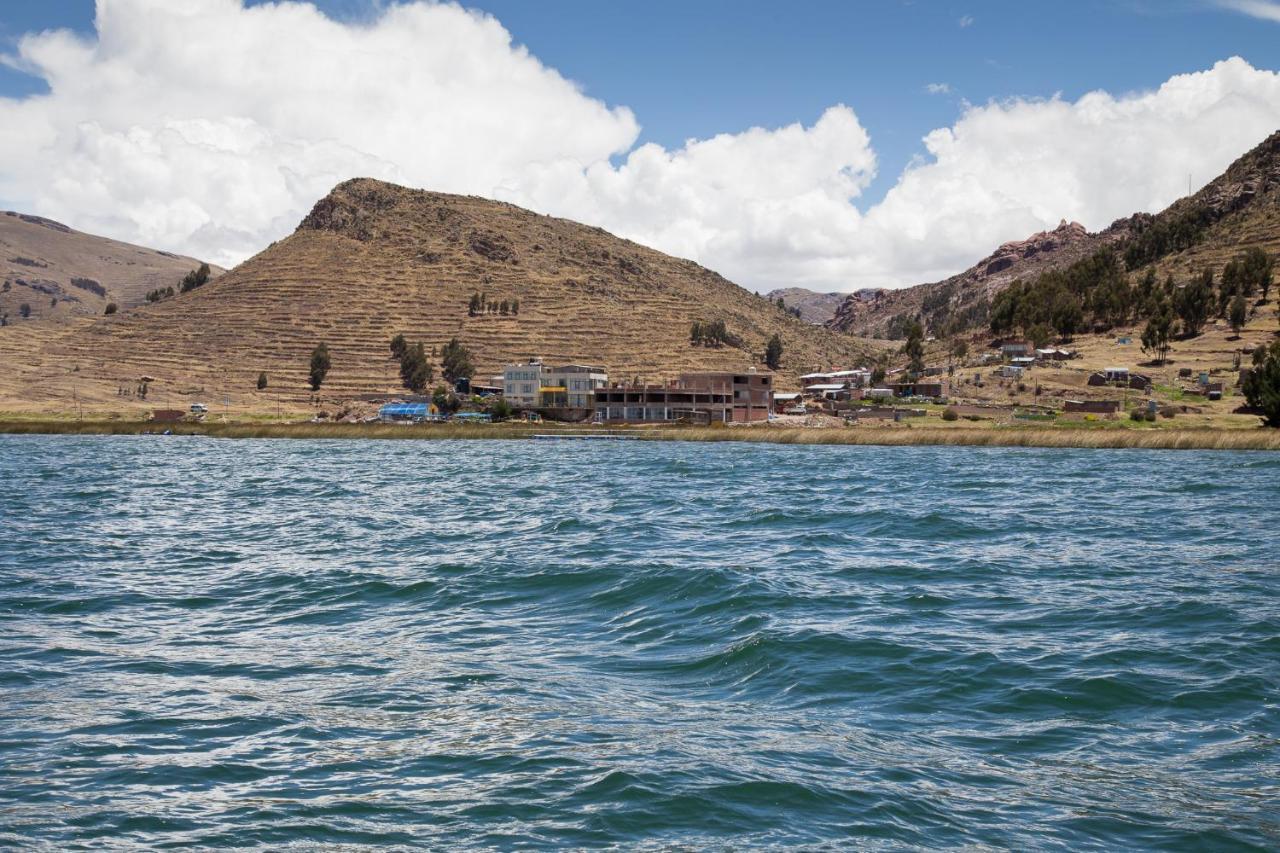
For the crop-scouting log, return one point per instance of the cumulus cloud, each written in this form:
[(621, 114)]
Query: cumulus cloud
[(938, 88), (210, 129), (1267, 10)]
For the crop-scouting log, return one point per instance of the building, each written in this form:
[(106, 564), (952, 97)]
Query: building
[(671, 402), (1016, 349), (536, 385), (1093, 407), (393, 413), (921, 388), (699, 397)]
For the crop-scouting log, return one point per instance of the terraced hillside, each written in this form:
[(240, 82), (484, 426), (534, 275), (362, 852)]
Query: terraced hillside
[(373, 260), (59, 272), (1237, 210)]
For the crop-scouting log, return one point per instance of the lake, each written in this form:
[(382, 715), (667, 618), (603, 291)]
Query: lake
[(588, 644)]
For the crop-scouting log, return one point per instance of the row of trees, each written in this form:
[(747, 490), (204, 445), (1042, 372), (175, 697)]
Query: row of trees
[(160, 293), (198, 277), (712, 333), (481, 304), (1095, 293)]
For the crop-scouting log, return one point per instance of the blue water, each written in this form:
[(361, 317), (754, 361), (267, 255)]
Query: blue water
[(510, 644)]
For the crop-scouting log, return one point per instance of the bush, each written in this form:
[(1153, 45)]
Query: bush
[(1169, 412), (111, 308), (1137, 415), (500, 409), (950, 414), (262, 380)]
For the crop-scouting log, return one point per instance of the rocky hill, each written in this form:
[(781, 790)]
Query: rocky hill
[(58, 272), (373, 260), (1237, 210), (814, 307)]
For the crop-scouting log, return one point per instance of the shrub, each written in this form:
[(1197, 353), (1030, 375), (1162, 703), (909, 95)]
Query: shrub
[(1169, 412), (950, 414), (111, 308), (1137, 415), (500, 409), (262, 380)]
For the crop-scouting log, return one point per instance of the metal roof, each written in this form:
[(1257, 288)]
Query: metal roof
[(403, 410)]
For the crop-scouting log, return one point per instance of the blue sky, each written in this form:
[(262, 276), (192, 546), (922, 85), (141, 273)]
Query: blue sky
[(832, 145), (695, 69)]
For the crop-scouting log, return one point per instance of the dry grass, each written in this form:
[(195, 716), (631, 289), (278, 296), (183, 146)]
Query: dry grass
[(1152, 439), (584, 296)]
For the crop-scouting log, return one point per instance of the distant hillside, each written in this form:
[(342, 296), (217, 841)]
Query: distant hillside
[(814, 307), (59, 272), (373, 260), (1237, 210)]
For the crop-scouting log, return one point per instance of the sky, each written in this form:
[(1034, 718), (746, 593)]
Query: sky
[(827, 145)]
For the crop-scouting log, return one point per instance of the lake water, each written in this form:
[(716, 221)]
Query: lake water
[(505, 644)]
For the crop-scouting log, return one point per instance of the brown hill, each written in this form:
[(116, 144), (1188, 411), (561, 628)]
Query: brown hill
[(814, 307), (1237, 210), (372, 260), (60, 272)]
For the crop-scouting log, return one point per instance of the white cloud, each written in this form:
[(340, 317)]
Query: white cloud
[(211, 129), (1267, 10), (938, 88), (966, 21)]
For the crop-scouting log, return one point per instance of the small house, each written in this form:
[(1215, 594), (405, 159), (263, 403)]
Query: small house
[(1016, 349), (1093, 407)]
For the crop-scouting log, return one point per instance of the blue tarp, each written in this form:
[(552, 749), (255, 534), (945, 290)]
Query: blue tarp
[(403, 410)]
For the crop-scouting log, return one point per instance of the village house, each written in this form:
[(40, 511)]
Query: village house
[(1017, 349), (1094, 407), (921, 388)]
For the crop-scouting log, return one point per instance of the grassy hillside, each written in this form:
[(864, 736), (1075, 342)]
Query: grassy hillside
[(60, 273), (373, 260), (1238, 210)]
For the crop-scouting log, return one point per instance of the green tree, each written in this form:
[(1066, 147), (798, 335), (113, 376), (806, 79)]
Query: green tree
[(500, 409), (1193, 303), (196, 278), (1040, 334), (320, 364), (446, 402), (914, 348), (111, 308), (398, 346), (262, 381), (1257, 271), (959, 349), (1238, 314), (415, 369), (1159, 329), (1262, 386), (773, 351), (25, 310), (515, 306), (473, 307), (1066, 314), (455, 362)]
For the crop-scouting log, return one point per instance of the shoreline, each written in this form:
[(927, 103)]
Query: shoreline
[(1101, 438)]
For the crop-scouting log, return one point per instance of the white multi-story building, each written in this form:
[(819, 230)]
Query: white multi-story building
[(537, 385)]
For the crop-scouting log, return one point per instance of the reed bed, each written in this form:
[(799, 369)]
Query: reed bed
[(1154, 439)]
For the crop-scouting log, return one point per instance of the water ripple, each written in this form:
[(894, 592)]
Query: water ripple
[(649, 646)]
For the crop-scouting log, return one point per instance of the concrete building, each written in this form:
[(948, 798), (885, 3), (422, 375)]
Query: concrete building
[(536, 385), (698, 397)]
